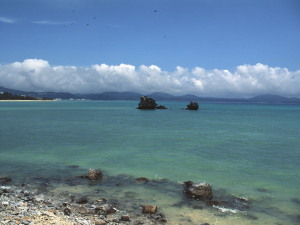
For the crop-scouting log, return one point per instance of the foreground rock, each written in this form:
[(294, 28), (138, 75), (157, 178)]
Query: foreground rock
[(202, 191), (149, 209), (20, 206), (192, 106)]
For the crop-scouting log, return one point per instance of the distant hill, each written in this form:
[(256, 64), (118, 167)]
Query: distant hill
[(162, 96), (159, 96), (52, 95), (273, 99), (111, 96), (9, 96)]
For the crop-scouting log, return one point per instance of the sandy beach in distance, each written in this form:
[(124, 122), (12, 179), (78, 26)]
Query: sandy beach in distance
[(25, 100)]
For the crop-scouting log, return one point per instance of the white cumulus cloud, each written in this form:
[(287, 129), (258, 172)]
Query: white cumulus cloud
[(244, 81)]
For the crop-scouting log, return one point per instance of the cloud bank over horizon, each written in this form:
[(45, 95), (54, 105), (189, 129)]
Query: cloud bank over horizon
[(244, 81)]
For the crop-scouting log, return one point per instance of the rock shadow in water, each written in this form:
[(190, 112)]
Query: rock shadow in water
[(263, 190), (296, 201)]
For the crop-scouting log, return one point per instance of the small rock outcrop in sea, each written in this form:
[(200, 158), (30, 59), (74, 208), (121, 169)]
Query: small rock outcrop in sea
[(202, 191), (192, 106), (161, 107), (93, 175), (149, 103)]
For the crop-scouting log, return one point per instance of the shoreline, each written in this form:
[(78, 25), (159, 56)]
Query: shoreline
[(38, 100), (84, 200), (23, 205)]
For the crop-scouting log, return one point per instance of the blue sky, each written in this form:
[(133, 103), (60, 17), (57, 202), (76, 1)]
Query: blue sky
[(159, 40)]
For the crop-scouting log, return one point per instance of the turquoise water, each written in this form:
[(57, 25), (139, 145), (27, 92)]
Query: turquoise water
[(248, 150)]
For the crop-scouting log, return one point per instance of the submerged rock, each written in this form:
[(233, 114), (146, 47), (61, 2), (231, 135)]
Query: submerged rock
[(296, 201), (130, 194), (73, 166), (4, 180), (263, 190), (202, 191), (142, 180), (192, 106)]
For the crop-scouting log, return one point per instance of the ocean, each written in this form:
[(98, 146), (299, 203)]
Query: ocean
[(248, 153)]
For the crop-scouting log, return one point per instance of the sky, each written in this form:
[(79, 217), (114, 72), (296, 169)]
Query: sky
[(210, 48)]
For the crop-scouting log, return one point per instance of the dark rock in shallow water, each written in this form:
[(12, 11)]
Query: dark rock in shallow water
[(73, 166), (67, 211), (200, 191), (82, 209), (5, 190), (198, 207), (215, 202), (263, 190), (243, 199), (142, 180), (93, 175), (130, 194), (192, 106), (296, 201), (101, 200), (82, 200), (159, 218), (4, 180)]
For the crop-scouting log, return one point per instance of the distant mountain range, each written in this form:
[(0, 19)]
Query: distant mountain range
[(157, 96)]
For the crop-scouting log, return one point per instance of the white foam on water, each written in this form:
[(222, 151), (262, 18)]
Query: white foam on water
[(223, 209)]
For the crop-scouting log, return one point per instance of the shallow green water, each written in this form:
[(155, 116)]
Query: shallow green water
[(251, 150)]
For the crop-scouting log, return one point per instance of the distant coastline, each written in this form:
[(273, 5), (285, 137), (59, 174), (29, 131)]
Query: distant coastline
[(159, 96), (16, 100), (6, 96)]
